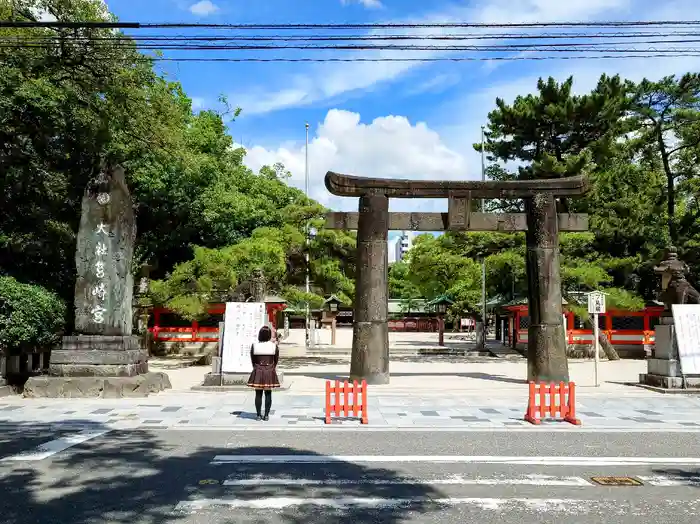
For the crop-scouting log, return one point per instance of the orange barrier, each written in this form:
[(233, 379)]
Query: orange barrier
[(566, 407), (343, 404)]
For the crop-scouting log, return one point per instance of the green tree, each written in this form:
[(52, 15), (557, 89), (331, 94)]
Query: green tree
[(663, 119)]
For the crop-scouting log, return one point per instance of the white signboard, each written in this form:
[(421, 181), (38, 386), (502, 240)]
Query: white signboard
[(242, 322), (686, 318), (596, 303)]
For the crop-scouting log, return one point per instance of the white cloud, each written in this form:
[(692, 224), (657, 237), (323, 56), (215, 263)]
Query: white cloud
[(389, 146), (204, 8), (324, 82), (369, 4)]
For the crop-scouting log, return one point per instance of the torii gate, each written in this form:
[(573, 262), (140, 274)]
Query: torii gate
[(370, 343)]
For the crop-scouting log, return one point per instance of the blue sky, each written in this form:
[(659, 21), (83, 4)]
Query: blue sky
[(385, 119)]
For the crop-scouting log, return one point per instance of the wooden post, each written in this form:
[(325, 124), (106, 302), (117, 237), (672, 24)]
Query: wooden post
[(546, 355), (441, 327), (370, 341)]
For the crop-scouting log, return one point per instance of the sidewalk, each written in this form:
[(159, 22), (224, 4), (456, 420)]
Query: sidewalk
[(435, 393)]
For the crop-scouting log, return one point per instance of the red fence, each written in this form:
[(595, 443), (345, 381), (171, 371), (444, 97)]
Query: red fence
[(414, 324)]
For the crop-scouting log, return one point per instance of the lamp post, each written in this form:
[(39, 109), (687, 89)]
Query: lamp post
[(441, 304), (306, 255), (331, 305)]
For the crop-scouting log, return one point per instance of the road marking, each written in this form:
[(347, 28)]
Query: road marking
[(454, 459), (434, 429), (571, 506), (52, 447), (525, 480), (671, 480)]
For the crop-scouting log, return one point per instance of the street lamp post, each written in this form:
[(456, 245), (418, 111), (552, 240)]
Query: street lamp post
[(308, 243), (331, 305), (441, 304), (481, 341)]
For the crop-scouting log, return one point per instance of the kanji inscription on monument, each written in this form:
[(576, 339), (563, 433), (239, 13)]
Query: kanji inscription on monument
[(105, 247)]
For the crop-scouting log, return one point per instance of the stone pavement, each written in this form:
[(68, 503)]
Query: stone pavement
[(426, 393), (435, 412)]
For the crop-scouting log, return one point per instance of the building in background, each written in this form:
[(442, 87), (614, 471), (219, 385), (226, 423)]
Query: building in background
[(400, 246)]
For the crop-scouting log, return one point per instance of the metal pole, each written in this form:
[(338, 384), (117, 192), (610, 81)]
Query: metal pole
[(307, 323), (483, 260), (596, 334)]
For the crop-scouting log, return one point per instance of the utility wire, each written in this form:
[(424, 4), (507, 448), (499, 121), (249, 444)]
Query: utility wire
[(333, 38), (431, 59), (277, 27), (352, 47)]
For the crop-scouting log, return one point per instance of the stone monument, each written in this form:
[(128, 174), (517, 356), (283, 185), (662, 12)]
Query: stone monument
[(664, 368), (546, 340), (103, 358)]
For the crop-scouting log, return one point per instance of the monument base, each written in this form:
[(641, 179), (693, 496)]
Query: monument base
[(664, 370), (96, 387), (98, 366), (232, 381)]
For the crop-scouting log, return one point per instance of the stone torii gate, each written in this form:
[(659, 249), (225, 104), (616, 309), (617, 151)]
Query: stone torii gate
[(370, 344)]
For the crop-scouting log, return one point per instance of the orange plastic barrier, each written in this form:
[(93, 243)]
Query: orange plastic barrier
[(339, 402), (566, 407)]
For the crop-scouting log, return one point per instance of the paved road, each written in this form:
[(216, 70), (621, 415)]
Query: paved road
[(147, 477)]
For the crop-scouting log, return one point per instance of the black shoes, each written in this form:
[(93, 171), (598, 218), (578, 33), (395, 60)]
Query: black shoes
[(259, 417), (266, 418)]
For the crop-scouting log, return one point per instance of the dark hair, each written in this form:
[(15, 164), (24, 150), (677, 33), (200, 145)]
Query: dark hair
[(265, 334)]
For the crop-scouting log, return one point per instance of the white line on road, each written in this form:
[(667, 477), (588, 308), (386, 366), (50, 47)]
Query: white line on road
[(52, 447), (572, 506), (454, 459), (525, 480), (673, 480)]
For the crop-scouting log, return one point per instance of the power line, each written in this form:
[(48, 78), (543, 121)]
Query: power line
[(431, 59), (348, 47), (331, 38), (431, 49), (276, 27)]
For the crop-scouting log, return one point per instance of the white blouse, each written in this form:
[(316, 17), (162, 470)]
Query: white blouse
[(264, 348)]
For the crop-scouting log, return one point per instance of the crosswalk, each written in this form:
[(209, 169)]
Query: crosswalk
[(443, 486), (20, 445)]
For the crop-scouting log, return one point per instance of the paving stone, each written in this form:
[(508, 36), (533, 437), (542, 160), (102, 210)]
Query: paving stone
[(590, 413), (171, 409), (430, 413)]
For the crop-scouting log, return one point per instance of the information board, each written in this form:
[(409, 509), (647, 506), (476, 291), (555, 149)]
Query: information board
[(242, 322), (596, 303), (686, 318)]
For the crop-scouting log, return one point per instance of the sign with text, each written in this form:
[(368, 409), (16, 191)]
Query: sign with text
[(242, 322), (686, 318), (596, 303)]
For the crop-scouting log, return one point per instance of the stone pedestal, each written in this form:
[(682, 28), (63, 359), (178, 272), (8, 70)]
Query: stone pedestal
[(107, 366), (664, 369)]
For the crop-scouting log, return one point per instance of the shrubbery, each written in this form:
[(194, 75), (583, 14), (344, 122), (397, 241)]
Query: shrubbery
[(30, 316)]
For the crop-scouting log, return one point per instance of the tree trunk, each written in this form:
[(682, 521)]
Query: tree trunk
[(607, 347), (670, 189), (605, 344)]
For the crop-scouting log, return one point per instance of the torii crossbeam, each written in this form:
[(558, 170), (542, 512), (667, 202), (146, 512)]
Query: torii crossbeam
[(546, 342)]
